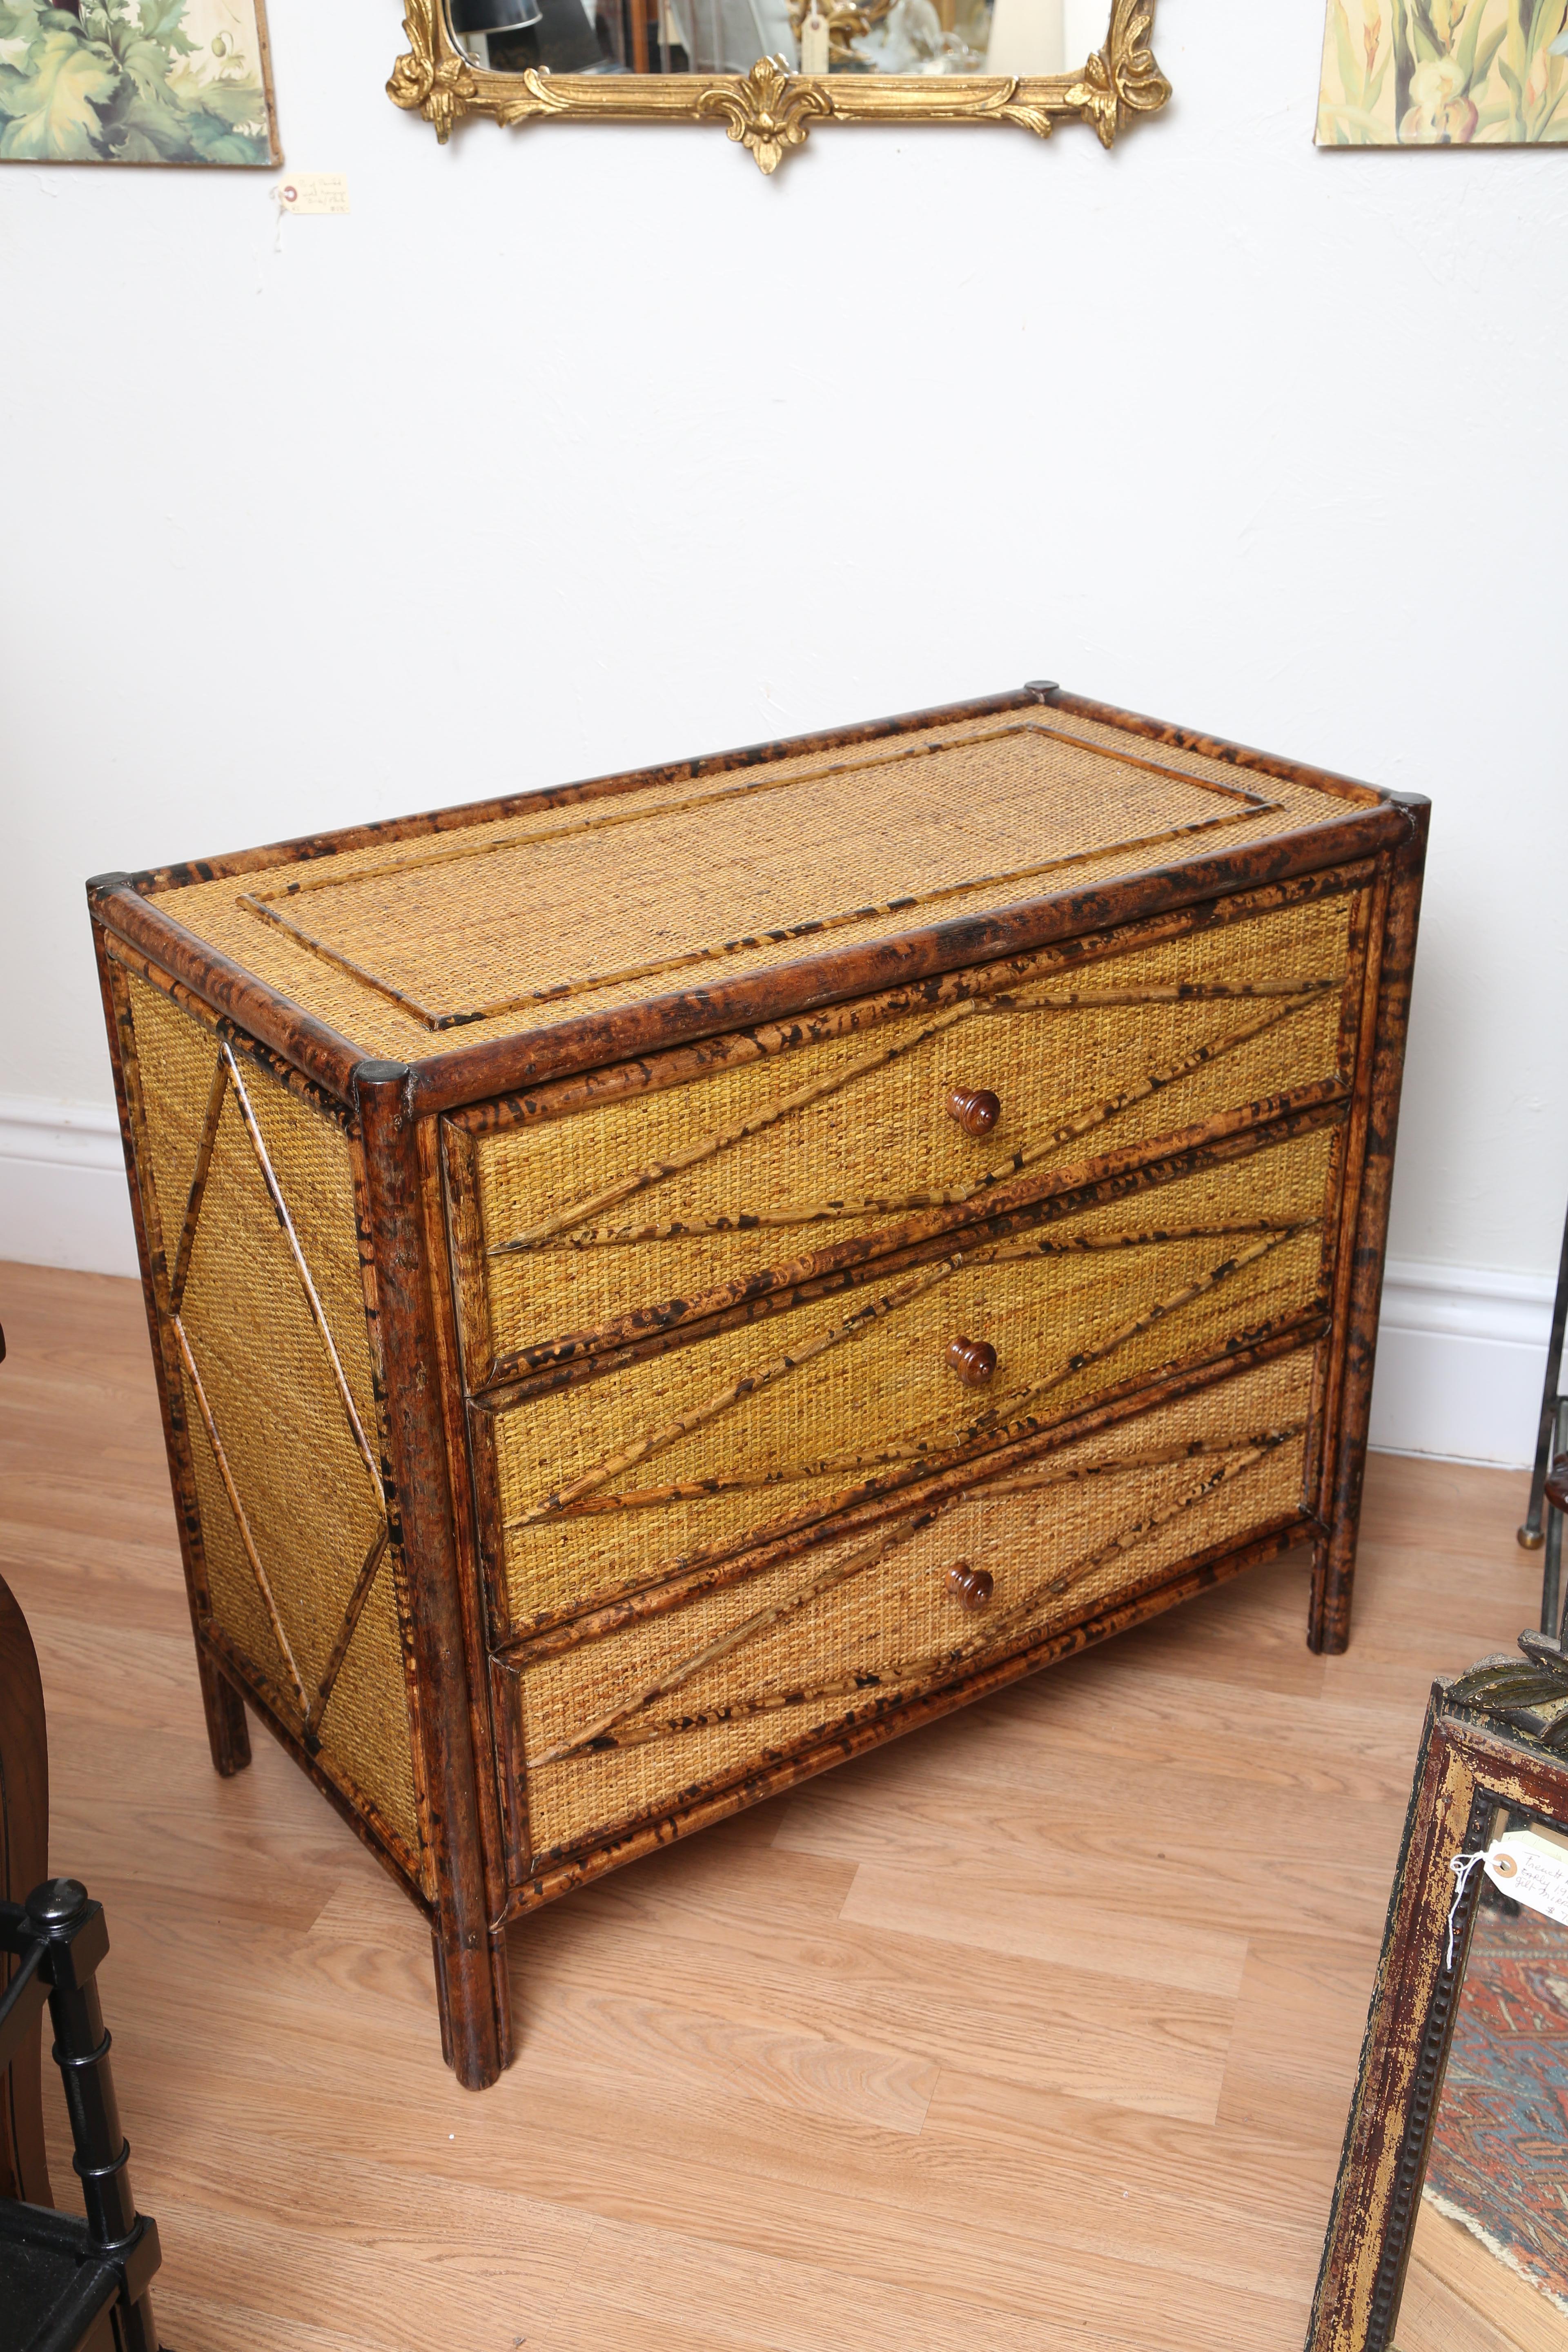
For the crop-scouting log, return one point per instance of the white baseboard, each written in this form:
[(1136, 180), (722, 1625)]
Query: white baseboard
[(63, 1199), (1461, 1355), (1462, 1351)]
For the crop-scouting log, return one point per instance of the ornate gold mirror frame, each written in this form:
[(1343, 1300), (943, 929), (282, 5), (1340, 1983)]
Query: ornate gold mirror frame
[(771, 108)]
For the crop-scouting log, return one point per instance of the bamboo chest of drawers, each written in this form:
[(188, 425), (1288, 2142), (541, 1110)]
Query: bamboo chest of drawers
[(661, 1285)]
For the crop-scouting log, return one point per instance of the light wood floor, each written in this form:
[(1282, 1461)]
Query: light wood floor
[(1459, 2297), (1034, 2031)]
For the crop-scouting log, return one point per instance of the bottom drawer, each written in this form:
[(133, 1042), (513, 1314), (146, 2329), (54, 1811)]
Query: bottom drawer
[(629, 1724)]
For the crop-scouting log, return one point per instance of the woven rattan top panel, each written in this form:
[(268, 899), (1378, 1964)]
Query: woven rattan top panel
[(507, 926)]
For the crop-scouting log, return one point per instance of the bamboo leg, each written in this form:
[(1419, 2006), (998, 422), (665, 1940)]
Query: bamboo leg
[(471, 1992), (1333, 1559), (228, 1734)]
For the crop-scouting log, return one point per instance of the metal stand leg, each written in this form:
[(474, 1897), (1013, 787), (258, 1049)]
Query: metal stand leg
[(1552, 1570), (1548, 1433)]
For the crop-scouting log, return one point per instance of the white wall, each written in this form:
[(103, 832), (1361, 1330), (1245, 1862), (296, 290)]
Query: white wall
[(576, 448)]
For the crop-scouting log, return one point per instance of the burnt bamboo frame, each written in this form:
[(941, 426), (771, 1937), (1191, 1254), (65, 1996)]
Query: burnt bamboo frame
[(1471, 1764), (411, 1128)]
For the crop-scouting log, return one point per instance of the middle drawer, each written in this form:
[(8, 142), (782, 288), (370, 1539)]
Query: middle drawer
[(620, 1481)]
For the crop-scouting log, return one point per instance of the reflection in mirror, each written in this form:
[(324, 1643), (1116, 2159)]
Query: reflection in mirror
[(816, 37), (1488, 2256)]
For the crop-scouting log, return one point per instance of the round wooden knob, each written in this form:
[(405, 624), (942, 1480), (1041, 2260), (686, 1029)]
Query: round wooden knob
[(974, 1361), (1557, 1484), (977, 1111), (971, 1587)]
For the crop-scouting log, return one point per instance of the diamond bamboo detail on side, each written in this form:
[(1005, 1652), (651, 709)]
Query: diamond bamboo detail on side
[(226, 1080)]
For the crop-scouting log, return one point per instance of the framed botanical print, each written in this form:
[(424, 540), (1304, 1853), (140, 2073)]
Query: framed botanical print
[(136, 81)]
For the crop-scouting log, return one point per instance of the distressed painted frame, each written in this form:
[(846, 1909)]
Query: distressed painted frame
[(1477, 1756)]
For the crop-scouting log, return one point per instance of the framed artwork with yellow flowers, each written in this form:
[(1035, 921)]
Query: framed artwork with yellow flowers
[(1444, 73)]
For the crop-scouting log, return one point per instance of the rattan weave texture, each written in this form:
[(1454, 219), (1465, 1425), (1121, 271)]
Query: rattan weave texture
[(885, 1132), (899, 1609), (307, 1500), (890, 1384), (426, 912)]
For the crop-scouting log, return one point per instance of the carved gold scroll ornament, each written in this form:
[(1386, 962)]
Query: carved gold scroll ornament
[(770, 109)]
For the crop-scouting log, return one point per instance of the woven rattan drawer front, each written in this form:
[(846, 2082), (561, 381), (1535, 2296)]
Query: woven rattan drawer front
[(620, 1481), (672, 1195), (616, 1728)]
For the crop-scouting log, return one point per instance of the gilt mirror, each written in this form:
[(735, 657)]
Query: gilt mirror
[(771, 71)]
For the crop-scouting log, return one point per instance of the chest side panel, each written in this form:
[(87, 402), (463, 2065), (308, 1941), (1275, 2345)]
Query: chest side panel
[(251, 1196)]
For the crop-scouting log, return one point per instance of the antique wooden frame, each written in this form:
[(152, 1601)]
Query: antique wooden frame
[(401, 1119), (770, 109), (1486, 1748)]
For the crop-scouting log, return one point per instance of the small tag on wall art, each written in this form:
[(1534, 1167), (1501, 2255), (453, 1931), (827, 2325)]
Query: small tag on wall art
[(1532, 1866), (314, 192), (814, 39)]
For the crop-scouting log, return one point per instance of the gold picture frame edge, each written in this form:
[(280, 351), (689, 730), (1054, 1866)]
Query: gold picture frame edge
[(770, 109)]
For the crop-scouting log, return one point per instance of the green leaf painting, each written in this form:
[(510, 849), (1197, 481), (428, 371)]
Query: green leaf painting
[(134, 81), (1443, 73)]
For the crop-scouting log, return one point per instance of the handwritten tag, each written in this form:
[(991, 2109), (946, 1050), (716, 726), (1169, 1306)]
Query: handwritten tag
[(1532, 1866), (314, 191)]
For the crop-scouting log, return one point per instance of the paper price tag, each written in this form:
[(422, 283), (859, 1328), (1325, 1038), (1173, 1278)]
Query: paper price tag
[(314, 192), (1532, 1866)]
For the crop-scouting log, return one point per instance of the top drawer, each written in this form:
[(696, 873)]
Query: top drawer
[(654, 1205)]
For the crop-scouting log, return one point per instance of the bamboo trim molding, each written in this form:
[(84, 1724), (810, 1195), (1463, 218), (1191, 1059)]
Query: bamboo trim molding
[(770, 109)]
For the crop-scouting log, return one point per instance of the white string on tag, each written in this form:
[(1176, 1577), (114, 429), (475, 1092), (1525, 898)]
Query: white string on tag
[(1462, 1866)]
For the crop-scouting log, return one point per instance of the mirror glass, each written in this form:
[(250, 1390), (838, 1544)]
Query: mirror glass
[(1489, 2255), (727, 37)]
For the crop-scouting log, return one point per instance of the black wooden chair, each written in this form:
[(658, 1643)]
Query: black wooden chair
[(66, 2285)]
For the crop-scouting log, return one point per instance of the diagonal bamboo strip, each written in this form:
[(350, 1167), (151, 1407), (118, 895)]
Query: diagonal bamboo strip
[(748, 1384), (351, 1616), (711, 1145), (1032, 1482), (597, 1736), (280, 1211), (1080, 1123), (1153, 1314), (246, 1537), (1053, 1243), (210, 1118), (1041, 997), (988, 1424), (898, 1532), (698, 1489)]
